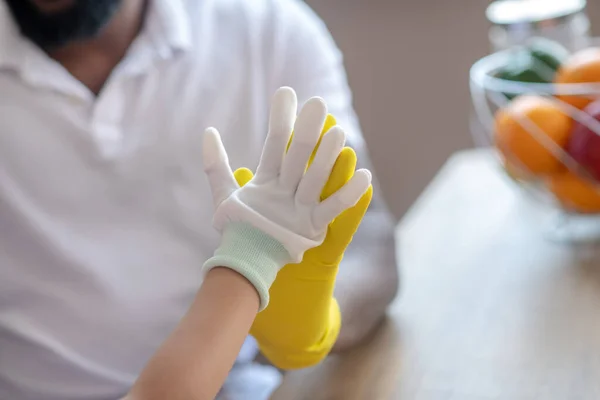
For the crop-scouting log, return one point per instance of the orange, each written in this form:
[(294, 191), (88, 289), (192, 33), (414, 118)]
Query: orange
[(581, 67), (521, 147), (575, 193), (515, 172)]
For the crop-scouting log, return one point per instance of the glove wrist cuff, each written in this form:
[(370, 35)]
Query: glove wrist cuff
[(296, 244), (253, 254)]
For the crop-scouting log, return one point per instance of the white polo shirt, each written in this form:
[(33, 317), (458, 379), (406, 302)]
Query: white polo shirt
[(105, 214)]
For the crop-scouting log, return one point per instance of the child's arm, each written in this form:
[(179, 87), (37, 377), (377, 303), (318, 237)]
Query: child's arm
[(194, 361)]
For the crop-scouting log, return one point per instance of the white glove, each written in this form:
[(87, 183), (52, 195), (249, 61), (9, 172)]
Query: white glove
[(282, 201)]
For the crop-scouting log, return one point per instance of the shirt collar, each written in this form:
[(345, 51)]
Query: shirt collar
[(169, 26), (167, 23)]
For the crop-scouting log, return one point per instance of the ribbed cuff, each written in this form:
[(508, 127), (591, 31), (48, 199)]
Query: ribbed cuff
[(253, 254)]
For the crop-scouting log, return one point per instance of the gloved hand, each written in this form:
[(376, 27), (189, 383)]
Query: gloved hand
[(302, 322), (278, 215)]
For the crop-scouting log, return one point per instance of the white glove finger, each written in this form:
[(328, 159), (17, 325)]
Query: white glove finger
[(307, 131), (313, 182), (281, 123), (343, 199), (216, 166)]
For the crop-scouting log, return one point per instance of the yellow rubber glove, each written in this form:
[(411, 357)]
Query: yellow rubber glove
[(302, 322)]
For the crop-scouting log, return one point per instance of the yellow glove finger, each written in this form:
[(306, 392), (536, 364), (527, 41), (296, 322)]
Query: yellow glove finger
[(342, 229), (243, 176), (342, 171)]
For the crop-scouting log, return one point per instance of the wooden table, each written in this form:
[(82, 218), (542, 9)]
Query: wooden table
[(489, 309)]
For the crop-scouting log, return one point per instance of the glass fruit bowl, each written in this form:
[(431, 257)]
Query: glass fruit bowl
[(547, 135)]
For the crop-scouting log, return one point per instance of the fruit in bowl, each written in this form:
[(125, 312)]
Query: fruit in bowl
[(525, 132), (584, 143), (537, 61), (544, 139), (581, 67), (575, 193)]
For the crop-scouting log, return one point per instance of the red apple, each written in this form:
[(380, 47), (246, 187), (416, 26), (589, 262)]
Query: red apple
[(584, 144)]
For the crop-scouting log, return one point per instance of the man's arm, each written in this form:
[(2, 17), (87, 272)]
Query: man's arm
[(308, 60)]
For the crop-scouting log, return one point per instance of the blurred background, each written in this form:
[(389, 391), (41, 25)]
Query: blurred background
[(408, 64)]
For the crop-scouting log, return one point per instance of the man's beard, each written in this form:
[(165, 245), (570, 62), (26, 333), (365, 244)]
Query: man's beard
[(83, 20)]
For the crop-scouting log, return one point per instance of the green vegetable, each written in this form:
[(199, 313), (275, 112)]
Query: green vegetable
[(535, 62)]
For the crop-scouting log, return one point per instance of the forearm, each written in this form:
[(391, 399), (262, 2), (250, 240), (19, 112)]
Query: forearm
[(194, 361)]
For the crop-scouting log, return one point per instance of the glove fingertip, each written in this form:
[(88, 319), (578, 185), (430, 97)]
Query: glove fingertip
[(330, 122)]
